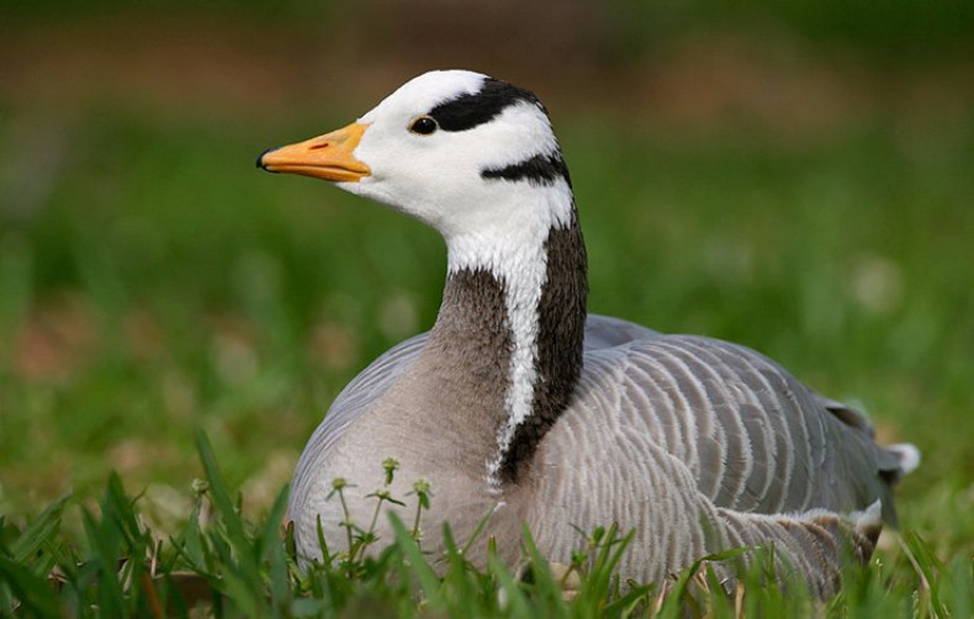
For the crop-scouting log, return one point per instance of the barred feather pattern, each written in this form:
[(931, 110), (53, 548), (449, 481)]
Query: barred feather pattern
[(696, 444)]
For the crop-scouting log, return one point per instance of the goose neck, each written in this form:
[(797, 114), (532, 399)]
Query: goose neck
[(518, 313)]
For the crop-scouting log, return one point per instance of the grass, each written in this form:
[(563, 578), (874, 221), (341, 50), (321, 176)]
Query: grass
[(153, 284), (224, 564)]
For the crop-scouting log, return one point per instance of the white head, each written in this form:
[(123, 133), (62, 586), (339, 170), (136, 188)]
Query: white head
[(469, 155)]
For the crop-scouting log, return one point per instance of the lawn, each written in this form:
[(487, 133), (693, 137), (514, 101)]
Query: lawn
[(153, 284)]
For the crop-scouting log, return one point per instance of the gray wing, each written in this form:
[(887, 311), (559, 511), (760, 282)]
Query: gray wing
[(754, 438), (607, 332), (354, 399)]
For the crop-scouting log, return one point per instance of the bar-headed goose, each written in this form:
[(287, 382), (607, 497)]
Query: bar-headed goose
[(519, 400)]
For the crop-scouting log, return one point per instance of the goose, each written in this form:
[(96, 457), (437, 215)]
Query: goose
[(519, 404)]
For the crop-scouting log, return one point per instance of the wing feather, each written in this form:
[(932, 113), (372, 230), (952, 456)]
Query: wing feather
[(754, 438)]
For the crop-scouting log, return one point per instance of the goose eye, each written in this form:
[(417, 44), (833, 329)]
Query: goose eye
[(424, 125)]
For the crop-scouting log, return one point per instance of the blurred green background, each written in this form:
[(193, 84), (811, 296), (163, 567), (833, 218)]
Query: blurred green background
[(799, 179)]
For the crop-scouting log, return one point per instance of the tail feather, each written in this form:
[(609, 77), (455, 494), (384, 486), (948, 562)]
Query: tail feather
[(866, 527), (813, 543), (907, 457)]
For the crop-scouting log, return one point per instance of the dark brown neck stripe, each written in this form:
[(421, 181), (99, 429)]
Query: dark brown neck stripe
[(561, 330)]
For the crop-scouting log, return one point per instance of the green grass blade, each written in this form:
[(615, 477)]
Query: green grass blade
[(219, 491), (478, 530), (270, 536), (271, 549), (459, 580), (545, 585), (39, 531), (104, 543), (191, 545), (35, 593), (514, 602), (930, 569), (428, 580), (961, 573), (119, 508)]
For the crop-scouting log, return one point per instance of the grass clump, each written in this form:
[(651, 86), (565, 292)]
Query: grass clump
[(225, 564)]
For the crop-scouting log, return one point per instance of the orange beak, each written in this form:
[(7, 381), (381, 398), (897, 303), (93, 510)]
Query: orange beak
[(327, 156)]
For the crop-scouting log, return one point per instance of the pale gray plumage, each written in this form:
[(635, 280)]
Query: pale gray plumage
[(696, 444)]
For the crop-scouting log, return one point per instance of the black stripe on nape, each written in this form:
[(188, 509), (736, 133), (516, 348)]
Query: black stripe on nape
[(472, 109), (541, 170)]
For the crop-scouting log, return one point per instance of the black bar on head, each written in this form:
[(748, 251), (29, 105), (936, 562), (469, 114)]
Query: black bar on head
[(538, 170), (472, 109)]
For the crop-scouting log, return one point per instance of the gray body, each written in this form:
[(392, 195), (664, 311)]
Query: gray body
[(697, 445)]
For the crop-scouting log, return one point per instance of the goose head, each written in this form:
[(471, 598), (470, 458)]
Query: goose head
[(471, 156)]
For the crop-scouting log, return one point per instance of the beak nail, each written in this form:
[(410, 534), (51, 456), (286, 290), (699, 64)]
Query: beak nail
[(260, 158)]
